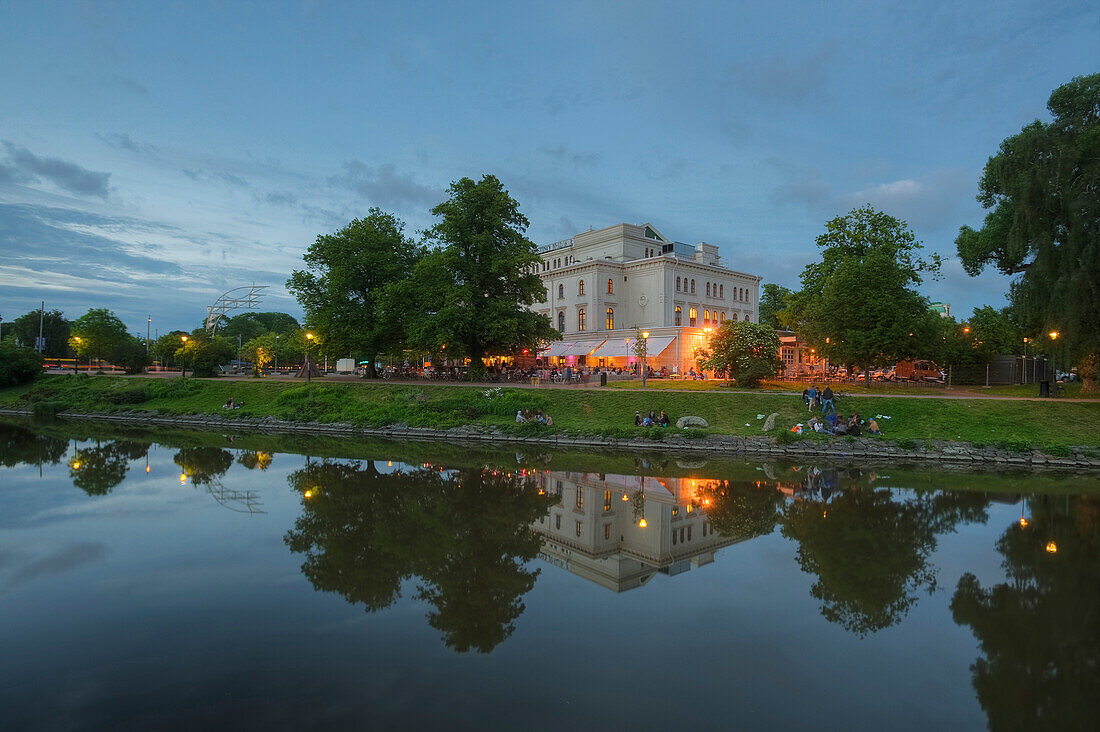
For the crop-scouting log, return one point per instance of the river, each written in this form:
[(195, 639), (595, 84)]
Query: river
[(188, 580)]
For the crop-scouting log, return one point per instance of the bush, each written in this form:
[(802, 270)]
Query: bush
[(46, 409), (786, 437), (18, 365)]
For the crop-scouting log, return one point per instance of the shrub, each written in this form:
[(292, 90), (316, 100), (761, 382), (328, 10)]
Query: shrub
[(46, 409), (18, 365), (786, 437)]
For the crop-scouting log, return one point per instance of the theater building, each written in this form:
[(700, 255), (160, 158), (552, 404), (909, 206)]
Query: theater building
[(603, 286)]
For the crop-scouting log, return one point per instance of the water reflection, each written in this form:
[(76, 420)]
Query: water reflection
[(1040, 630), (98, 469), (19, 446), (464, 534)]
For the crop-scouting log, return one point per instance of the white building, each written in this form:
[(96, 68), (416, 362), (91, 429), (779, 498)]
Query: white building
[(603, 285)]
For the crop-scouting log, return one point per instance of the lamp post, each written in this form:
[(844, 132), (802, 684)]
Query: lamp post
[(645, 350), (76, 356), (183, 361), (309, 367), (275, 356), (1053, 357)]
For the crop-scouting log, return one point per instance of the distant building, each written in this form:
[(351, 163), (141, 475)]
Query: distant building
[(601, 285), (942, 308)]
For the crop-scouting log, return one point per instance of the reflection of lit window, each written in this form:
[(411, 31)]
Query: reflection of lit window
[(607, 531), (607, 500), (580, 498), (675, 510)]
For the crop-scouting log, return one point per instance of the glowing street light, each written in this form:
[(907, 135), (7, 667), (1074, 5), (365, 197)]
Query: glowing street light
[(645, 348), (1052, 548), (309, 366), (183, 364), (76, 357)]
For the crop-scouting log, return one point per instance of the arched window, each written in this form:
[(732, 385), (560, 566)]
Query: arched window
[(582, 320), (561, 291), (610, 286), (693, 315), (580, 287), (693, 287), (610, 317), (677, 284), (708, 289), (679, 316), (742, 293), (722, 317), (561, 321), (721, 291), (734, 316), (706, 317)]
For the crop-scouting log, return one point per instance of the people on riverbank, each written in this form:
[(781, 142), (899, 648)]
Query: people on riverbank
[(827, 399)]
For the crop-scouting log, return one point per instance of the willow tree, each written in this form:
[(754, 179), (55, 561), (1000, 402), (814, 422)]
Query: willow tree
[(1044, 223), (484, 278)]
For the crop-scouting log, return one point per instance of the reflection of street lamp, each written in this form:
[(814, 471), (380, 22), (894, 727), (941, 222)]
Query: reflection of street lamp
[(309, 343), (183, 361)]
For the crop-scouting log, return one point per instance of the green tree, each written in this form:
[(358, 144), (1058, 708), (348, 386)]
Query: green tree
[(260, 351), (740, 509), (992, 333), (17, 364), (773, 300), (745, 351), (164, 348), (99, 334), (55, 329), (97, 470), (1043, 189), (483, 276), (203, 465), (858, 304), (1038, 630), (203, 353), (343, 289), (250, 325)]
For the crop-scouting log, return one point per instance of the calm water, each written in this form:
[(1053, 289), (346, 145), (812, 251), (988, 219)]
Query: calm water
[(184, 580)]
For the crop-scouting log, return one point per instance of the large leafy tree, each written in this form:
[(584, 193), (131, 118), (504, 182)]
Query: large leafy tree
[(745, 351), (252, 325), (343, 289), (100, 334), (18, 364), (859, 305), (97, 470), (55, 329), (203, 353), (1043, 189), (773, 300), (483, 276)]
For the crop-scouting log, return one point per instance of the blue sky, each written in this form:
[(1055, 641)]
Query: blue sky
[(153, 155)]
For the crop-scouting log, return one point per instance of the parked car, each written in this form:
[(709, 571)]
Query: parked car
[(883, 374), (918, 371)]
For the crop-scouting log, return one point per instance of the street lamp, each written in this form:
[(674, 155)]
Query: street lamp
[(275, 356), (1053, 356), (183, 361), (645, 350), (76, 356), (309, 343)]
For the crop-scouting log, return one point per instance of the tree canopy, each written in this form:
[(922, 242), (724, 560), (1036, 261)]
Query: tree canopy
[(251, 325), (745, 351), (773, 300), (55, 329), (1043, 191), (100, 334), (343, 289), (859, 305)]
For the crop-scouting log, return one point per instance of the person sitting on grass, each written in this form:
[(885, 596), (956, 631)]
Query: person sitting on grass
[(831, 422), (637, 419), (853, 425), (648, 421), (841, 425), (664, 421), (872, 427), (816, 425), (520, 419)]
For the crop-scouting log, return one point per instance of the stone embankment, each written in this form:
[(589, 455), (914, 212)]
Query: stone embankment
[(848, 449)]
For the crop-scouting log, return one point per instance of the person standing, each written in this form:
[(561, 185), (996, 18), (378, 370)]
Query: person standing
[(827, 399)]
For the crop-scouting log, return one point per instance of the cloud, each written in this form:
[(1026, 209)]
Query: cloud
[(64, 560), (384, 186), (562, 154), (123, 141), (23, 166), (228, 178), (786, 78), (279, 198)]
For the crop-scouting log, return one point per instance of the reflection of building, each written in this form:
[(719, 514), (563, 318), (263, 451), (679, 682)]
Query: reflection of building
[(620, 544), (601, 285)]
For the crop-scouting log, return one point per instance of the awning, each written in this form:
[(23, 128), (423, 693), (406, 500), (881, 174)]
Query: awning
[(583, 348), (557, 348), (624, 347)]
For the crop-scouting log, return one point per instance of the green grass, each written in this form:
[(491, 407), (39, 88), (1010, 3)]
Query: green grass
[(1072, 390), (1052, 425)]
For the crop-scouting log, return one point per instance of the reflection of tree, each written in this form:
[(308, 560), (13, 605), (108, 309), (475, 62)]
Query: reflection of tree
[(870, 550), (203, 465), (97, 470), (1040, 631), (19, 445), (465, 535), (742, 509), (255, 459)]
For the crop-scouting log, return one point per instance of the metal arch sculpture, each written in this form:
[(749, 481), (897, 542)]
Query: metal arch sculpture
[(237, 298)]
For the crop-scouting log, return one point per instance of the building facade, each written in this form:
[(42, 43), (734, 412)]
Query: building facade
[(603, 286)]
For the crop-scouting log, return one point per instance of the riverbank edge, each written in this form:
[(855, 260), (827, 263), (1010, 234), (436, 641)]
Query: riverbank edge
[(949, 454)]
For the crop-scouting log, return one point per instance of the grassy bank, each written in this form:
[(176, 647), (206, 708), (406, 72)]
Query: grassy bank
[(1052, 426), (1072, 390)]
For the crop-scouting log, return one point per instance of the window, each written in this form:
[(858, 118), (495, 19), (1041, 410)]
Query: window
[(579, 527), (693, 287), (677, 284), (674, 537), (734, 316), (722, 317), (679, 316), (561, 321), (610, 317), (721, 291), (706, 317), (693, 315), (689, 532), (582, 321), (557, 521), (681, 536), (610, 286), (561, 292), (607, 531), (708, 289), (580, 498), (580, 288), (607, 500)]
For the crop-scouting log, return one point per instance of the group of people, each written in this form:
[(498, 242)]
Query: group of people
[(813, 398), (836, 424), (538, 417), (651, 420), (230, 404)]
